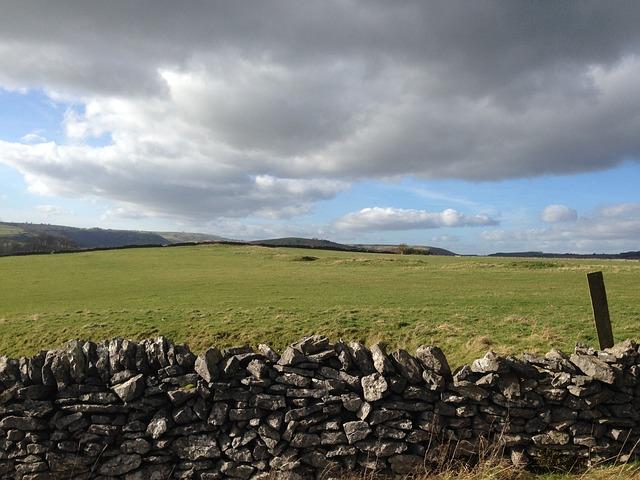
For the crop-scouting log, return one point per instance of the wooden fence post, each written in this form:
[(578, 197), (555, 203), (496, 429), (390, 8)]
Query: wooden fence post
[(600, 309)]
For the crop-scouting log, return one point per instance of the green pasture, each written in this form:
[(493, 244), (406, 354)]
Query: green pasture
[(6, 230), (226, 295)]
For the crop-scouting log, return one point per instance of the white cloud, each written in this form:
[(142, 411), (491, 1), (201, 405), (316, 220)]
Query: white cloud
[(204, 104), (160, 181), (558, 213), (621, 210), (612, 228), (51, 210), (33, 137), (445, 239), (378, 218)]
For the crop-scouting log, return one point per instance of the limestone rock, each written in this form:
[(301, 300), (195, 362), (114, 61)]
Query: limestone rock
[(291, 356), (490, 363), (361, 358), (312, 345), (356, 431), (374, 387), (159, 425), (77, 361), (407, 366), (206, 364), (120, 464), (131, 389), (381, 361), (150, 472), (551, 438), (22, 423), (196, 447), (594, 367), (269, 353), (434, 360), (9, 372)]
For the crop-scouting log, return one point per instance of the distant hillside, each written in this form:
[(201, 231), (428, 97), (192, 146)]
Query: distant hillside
[(329, 245), (19, 238), (183, 237), (605, 256), (24, 238), (303, 243), (416, 249)]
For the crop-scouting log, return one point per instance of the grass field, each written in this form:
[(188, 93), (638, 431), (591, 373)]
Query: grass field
[(9, 230), (228, 295)]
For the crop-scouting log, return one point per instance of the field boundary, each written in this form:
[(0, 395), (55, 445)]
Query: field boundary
[(134, 410)]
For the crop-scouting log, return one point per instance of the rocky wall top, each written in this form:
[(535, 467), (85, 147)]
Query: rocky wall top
[(154, 410)]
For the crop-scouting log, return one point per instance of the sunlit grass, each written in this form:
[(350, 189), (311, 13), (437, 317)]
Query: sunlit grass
[(228, 295)]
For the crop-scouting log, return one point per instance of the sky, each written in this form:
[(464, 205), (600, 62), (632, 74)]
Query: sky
[(478, 126)]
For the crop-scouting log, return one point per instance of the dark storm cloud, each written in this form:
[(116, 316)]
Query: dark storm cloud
[(302, 91)]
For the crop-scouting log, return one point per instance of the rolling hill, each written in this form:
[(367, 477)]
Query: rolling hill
[(20, 238)]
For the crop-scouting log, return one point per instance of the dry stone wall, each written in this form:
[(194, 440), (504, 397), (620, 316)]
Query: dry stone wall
[(154, 410)]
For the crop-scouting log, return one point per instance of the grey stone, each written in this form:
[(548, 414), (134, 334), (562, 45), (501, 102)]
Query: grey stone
[(433, 359), (356, 431), (9, 372), (509, 385), (381, 361), (351, 401), (594, 367), (121, 355), (374, 387), (35, 392), (490, 363), (78, 364), (551, 438), (291, 356), (137, 445), (151, 472), (470, 390), (131, 389), (305, 440), (218, 414), (196, 447), (382, 448), (120, 464), (312, 345), (361, 358), (258, 368), (76, 464), (22, 423), (269, 402), (434, 381), (58, 365), (63, 422), (206, 364), (159, 425), (269, 353), (407, 366), (157, 353), (364, 411)]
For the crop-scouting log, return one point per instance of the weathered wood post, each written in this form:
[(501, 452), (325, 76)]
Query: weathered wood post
[(600, 309)]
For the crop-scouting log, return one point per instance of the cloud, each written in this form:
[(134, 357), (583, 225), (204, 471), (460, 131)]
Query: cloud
[(612, 228), (445, 239), (201, 103), (558, 213), (161, 184), (377, 218), (51, 210), (621, 210), (33, 137)]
